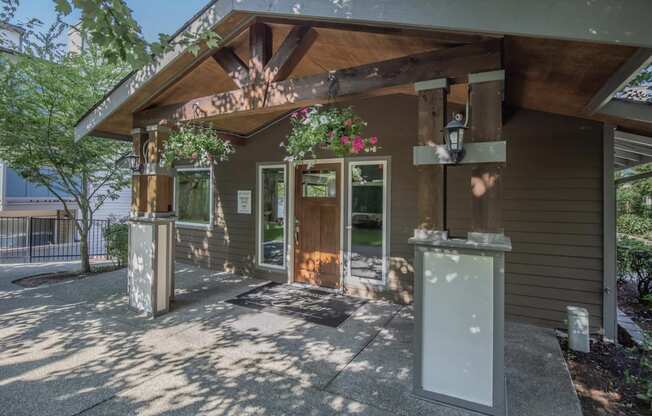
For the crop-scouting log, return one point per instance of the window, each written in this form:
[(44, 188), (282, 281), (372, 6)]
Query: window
[(367, 220), (194, 197), (319, 184), (271, 216)]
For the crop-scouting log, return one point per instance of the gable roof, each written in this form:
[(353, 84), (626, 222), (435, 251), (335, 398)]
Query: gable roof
[(610, 22)]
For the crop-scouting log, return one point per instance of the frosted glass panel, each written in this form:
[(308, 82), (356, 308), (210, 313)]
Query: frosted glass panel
[(458, 326)]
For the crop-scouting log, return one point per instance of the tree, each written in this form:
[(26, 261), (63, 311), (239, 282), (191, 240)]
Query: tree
[(110, 26), (40, 102), (634, 205)]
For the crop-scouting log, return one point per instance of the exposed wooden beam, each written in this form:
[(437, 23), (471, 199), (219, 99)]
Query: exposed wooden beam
[(236, 69), (375, 78), (633, 178), (260, 47), (290, 53), (628, 110), (633, 148), (639, 60), (632, 138)]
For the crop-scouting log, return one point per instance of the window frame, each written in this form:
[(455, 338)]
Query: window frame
[(349, 221), (259, 217), (185, 224)]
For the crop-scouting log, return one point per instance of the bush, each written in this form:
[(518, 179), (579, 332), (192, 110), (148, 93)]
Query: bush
[(632, 224), (117, 243), (634, 262)]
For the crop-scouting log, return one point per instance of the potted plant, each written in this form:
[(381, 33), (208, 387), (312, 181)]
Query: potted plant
[(336, 129), (200, 145)]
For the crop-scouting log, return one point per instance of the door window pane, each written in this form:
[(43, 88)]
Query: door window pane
[(367, 209), (193, 195), (273, 216), (319, 184)]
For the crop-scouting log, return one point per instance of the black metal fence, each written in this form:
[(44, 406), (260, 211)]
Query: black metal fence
[(33, 239)]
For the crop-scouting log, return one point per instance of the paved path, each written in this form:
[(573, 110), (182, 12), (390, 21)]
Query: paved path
[(77, 349)]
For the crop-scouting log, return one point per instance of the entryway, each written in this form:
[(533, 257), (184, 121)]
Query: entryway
[(317, 228)]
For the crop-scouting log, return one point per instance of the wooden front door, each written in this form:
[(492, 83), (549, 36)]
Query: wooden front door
[(317, 256)]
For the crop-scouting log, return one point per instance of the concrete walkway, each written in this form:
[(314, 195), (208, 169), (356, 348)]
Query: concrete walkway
[(77, 349)]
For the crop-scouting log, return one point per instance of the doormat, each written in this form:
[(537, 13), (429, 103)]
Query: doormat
[(311, 305)]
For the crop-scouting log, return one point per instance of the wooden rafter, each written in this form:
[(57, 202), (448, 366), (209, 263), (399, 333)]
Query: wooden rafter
[(633, 178), (265, 67), (375, 78), (235, 68), (260, 47), (288, 56), (639, 60)]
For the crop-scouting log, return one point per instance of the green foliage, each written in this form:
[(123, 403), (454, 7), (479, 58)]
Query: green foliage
[(633, 203), (117, 242), (197, 144), (646, 369), (634, 225), (634, 262), (336, 129), (40, 102), (109, 25)]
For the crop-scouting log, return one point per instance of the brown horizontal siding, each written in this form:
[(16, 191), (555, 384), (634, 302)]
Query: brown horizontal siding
[(552, 211), (552, 208)]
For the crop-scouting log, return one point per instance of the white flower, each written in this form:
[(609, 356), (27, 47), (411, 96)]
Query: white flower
[(323, 119)]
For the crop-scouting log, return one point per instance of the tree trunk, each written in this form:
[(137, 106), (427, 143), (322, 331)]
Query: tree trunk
[(83, 251)]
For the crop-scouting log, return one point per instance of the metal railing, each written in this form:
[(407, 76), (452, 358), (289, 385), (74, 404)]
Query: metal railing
[(32, 239)]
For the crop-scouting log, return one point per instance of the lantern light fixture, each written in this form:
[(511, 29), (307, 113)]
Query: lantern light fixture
[(454, 133)]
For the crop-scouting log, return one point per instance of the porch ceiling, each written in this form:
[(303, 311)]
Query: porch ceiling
[(541, 74)]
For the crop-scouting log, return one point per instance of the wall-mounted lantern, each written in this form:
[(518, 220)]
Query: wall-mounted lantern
[(455, 137), (131, 162)]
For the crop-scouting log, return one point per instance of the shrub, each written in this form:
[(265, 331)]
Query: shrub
[(632, 224), (646, 369), (117, 243), (634, 261)]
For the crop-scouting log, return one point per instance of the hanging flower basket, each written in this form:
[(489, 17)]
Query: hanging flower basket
[(335, 129), (196, 144)]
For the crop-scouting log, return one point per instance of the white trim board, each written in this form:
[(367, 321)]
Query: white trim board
[(348, 226), (191, 225), (259, 219)]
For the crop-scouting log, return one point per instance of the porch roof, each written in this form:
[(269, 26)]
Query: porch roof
[(549, 64)]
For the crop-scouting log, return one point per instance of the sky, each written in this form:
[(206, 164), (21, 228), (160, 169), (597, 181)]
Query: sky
[(154, 16)]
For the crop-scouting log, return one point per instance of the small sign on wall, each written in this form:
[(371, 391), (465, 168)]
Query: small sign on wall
[(244, 202)]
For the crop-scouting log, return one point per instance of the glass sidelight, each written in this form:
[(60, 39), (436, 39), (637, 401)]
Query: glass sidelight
[(367, 220), (271, 216)]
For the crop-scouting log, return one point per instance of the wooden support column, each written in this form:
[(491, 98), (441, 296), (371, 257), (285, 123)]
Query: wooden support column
[(159, 187), (139, 182), (431, 179), (486, 125)]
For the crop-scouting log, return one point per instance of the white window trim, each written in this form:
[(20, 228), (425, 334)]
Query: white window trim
[(182, 224), (349, 226), (259, 218)]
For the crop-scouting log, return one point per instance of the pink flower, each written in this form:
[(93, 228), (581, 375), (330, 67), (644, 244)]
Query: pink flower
[(331, 134), (358, 144), (373, 140), (193, 156), (348, 122), (344, 139)]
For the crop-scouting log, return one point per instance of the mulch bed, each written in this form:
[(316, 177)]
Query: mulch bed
[(59, 277), (605, 379)]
